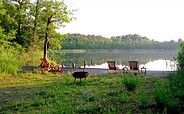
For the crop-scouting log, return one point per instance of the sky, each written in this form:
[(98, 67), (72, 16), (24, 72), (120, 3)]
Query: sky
[(160, 20)]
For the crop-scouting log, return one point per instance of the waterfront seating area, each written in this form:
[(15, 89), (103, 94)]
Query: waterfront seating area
[(104, 71), (129, 68)]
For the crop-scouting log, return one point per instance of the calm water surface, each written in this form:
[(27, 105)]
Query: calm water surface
[(151, 59)]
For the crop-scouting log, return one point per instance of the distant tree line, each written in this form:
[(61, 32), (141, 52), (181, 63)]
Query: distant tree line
[(130, 41)]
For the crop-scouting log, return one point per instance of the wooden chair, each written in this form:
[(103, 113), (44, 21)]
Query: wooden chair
[(112, 67), (134, 66)]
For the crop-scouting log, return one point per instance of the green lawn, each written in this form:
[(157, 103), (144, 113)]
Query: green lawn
[(55, 93)]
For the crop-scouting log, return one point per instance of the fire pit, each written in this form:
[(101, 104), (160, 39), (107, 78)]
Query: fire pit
[(80, 75)]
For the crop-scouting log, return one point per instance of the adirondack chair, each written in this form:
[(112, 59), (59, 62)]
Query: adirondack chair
[(112, 67), (134, 67)]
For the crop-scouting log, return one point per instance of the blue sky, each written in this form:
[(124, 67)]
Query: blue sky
[(161, 20)]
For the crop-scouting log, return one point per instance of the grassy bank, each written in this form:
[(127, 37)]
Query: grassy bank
[(55, 93)]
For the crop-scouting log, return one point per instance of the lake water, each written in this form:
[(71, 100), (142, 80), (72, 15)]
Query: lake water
[(151, 59)]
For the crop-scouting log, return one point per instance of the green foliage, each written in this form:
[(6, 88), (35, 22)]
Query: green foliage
[(131, 41), (130, 81), (164, 96), (162, 93), (26, 22), (143, 99), (180, 57), (123, 98), (23, 25), (177, 84), (11, 60)]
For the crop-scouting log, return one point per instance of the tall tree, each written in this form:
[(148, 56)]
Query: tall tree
[(54, 14), (23, 27)]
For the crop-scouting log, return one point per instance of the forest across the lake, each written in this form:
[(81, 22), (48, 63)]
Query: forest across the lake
[(130, 41)]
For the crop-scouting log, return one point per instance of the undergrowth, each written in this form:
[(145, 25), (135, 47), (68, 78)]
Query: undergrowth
[(13, 59)]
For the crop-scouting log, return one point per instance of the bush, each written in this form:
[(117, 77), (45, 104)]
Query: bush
[(162, 93), (164, 96), (180, 57), (123, 97), (143, 99), (177, 84), (130, 81)]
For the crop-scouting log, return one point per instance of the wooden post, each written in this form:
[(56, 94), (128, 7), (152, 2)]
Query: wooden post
[(143, 68), (84, 64), (73, 65)]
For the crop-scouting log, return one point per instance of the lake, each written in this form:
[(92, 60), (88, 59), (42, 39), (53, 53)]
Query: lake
[(152, 59)]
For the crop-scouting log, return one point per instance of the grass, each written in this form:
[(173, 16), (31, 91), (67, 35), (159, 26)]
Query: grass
[(11, 59), (55, 93)]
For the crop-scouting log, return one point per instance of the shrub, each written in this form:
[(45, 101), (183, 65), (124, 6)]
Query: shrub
[(177, 84), (143, 99), (164, 96), (122, 97), (130, 81), (180, 57), (162, 93)]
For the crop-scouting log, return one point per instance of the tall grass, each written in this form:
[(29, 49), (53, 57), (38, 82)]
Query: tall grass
[(32, 58), (11, 59)]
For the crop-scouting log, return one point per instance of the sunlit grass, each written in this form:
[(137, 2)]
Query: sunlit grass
[(12, 60), (27, 79), (57, 93)]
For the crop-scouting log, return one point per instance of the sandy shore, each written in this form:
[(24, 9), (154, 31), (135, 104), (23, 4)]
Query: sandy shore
[(99, 71), (104, 71)]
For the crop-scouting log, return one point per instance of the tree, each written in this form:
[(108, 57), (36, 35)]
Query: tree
[(23, 33), (54, 15), (30, 23), (7, 22), (180, 56)]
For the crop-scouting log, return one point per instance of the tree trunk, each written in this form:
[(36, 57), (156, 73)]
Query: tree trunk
[(45, 46), (35, 22), (18, 35), (46, 37)]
